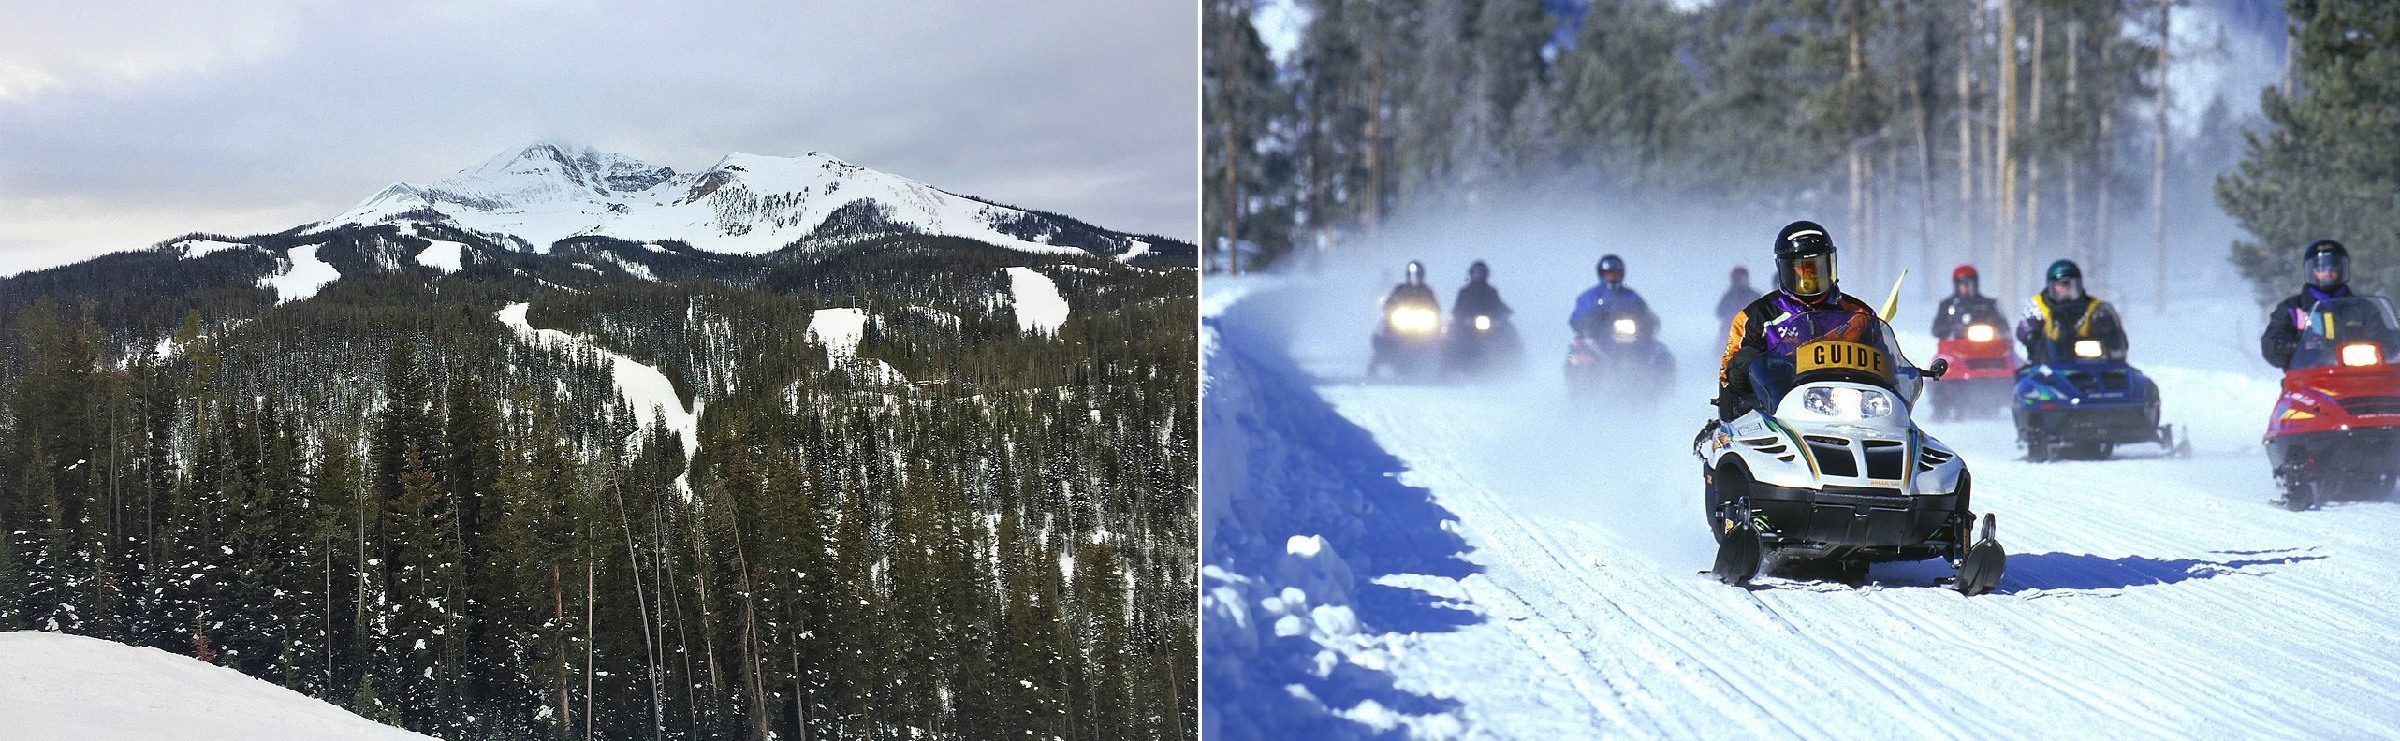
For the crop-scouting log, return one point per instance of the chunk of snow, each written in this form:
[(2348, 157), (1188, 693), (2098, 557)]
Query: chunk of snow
[(1039, 307), (1304, 546), (61, 686), (194, 248), (302, 276), (1138, 249)]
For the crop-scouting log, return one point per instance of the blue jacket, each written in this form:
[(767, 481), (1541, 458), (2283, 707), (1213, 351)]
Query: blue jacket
[(1601, 302)]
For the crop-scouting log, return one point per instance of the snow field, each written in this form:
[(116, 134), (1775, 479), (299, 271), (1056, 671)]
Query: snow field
[(196, 248), (1039, 306), (444, 255), (60, 687), (839, 331), (1522, 568), (302, 276)]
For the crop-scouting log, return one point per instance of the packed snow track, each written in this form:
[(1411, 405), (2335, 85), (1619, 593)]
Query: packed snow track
[(1544, 583)]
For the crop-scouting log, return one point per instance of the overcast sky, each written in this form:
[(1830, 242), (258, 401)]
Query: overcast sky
[(126, 123)]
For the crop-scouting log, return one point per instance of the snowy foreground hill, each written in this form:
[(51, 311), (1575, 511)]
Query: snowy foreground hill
[(1490, 562), (59, 687)]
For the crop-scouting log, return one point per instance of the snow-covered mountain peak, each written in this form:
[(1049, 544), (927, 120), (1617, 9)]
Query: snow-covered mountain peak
[(746, 203)]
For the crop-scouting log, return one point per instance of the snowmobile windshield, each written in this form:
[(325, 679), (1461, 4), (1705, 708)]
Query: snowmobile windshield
[(2351, 331), (1828, 346)]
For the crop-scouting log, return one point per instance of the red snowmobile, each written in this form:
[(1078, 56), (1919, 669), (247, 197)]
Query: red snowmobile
[(1983, 370), (2336, 430)]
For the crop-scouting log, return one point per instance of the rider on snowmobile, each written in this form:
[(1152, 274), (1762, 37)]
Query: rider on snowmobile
[(2063, 310), (1805, 280), (1736, 296), (1412, 290), (1611, 297), (1478, 297), (1966, 303), (2328, 266)]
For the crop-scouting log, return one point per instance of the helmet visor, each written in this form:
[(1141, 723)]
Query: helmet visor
[(2066, 288), (2326, 269), (1808, 276)]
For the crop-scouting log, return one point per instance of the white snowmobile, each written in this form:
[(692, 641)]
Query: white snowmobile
[(1829, 468)]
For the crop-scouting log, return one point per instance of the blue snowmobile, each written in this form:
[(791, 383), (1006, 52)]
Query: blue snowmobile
[(2077, 397)]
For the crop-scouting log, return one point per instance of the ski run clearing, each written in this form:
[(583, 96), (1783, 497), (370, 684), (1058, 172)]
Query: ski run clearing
[(59, 687), (1039, 306), (302, 276), (643, 387), (1490, 562)]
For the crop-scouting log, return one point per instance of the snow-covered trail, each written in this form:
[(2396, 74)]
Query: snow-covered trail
[(2159, 597)]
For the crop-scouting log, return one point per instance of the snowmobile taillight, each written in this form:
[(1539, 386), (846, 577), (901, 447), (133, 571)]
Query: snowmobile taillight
[(2087, 348), (1483, 323), (1624, 330), (1415, 320), (1847, 403), (2362, 354), (1979, 333)]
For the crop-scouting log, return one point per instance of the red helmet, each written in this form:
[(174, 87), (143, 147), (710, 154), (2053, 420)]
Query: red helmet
[(1962, 273)]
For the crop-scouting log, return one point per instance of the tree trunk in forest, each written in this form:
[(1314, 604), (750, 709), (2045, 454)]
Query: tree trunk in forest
[(1966, 137), (1231, 231), (2033, 166), (1923, 133), (2006, 160), (591, 596), (2158, 161), (558, 616), (2075, 166)]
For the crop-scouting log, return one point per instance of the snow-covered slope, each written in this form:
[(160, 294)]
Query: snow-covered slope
[(1451, 561), (1038, 305), (59, 687), (744, 204), (645, 389)]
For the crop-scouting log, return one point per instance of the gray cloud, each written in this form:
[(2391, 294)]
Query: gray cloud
[(117, 132)]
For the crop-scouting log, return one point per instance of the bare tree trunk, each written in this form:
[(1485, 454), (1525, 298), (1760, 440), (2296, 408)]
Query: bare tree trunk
[(1966, 136), (2075, 167), (558, 615), (633, 563), (2158, 162), (1859, 166), (1371, 211), (2006, 160), (591, 596), (1924, 187), (1231, 233), (2033, 174)]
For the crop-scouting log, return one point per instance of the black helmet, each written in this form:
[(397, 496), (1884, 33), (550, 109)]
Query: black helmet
[(2064, 277), (1416, 273), (1805, 265), (1478, 271), (1611, 269), (2327, 263)]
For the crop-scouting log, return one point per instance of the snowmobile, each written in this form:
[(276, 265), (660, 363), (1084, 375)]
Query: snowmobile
[(1480, 344), (2336, 429), (1616, 358), (1828, 467), (1983, 366), (1408, 341), (2087, 404)]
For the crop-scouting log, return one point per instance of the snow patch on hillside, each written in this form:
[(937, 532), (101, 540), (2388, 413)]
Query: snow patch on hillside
[(1039, 307), (839, 331), (196, 248), (1139, 248), (644, 388), (303, 275), (444, 255), (62, 687)]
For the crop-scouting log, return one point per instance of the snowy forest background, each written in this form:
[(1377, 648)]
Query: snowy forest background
[(2003, 133), (379, 496)]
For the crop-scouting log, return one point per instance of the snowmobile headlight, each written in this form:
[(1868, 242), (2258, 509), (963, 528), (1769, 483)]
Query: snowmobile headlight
[(1847, 403), (2087, 348), (1483, 323), (1625, 330), (1414, 320), (2362, 353), (1979, 333)]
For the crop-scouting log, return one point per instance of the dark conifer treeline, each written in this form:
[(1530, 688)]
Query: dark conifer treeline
[(382, 497)]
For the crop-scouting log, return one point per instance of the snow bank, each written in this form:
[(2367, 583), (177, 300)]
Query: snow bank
[(62, 687), (1300, 511), (1039, 307), (303, 276), (642, 387), (444, 255)]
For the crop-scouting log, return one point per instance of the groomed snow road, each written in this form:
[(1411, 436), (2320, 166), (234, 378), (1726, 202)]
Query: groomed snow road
[(2145, 596)]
